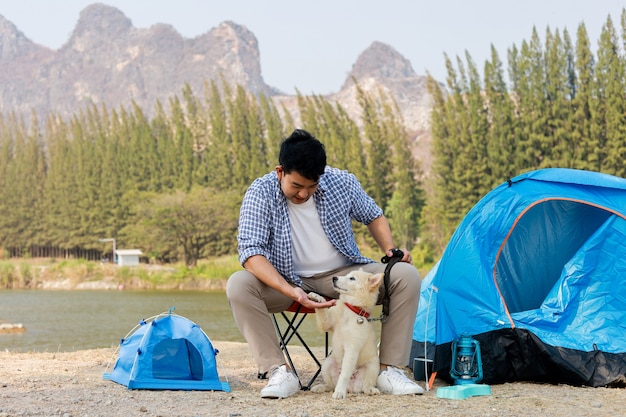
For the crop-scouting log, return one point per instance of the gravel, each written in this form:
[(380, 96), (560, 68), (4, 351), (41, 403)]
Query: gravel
[(70, 384)]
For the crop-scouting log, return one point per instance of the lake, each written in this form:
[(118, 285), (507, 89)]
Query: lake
[(66, 321)]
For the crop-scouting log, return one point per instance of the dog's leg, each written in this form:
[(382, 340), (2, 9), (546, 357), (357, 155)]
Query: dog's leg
[(348, 365), (370, 375), (322, 315), (330, 370)]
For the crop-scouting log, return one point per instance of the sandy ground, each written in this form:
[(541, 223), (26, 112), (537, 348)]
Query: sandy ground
[(71, 385)]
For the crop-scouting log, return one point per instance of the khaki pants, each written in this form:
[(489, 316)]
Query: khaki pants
[(251, 302)]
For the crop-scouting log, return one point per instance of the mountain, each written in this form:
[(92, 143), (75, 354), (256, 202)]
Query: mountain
[(381, 66), (107, 60)]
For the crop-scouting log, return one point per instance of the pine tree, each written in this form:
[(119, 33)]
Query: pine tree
[(461, 186), (241, 141), (23, 175), (612, 117), (61, 184), (501, 137), (110, 210), (308, 113), (259, 163), (446, 127), (378, 182), (217, 159), (533, 114), (582, 102), (406, 202), (559, 93), (167, 163), (476, 173), (435, 225), (183, 145), (6, 156), (274, 130), (354, 152)]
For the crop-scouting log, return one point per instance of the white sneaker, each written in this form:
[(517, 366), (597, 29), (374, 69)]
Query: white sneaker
[(394, 381), (282, 384)]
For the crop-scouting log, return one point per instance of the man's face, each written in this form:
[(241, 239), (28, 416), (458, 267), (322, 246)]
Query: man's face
[(296, 188)]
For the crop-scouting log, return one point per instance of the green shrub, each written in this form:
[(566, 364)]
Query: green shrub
[(7, 275)]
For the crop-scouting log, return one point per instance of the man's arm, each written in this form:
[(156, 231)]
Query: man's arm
[(381, 232), (261, 268)]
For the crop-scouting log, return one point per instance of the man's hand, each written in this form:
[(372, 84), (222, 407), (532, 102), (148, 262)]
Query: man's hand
[(406, 255), (304, 299)]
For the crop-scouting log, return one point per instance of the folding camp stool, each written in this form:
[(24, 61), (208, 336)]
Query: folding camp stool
[(292, 326)]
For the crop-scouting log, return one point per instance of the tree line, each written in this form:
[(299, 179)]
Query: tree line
[(563, 106), (171, 184)]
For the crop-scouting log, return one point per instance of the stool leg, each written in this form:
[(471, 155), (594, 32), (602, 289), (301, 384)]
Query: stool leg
[(285, 337)]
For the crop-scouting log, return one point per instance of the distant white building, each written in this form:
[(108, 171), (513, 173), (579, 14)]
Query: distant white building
[(128, 257)]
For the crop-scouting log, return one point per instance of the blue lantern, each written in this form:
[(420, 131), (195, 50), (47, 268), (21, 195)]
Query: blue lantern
[(467, 367)]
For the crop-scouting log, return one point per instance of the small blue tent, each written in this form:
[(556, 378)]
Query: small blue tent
[(167, 352), (536, 272)]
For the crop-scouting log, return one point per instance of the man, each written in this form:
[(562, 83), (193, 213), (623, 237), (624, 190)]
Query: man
[(295, 234)]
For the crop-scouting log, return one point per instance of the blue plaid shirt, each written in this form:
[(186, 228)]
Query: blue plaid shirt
[(264, 227)]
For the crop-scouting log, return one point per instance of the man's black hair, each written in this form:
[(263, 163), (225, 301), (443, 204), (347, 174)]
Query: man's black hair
[(303, 153)]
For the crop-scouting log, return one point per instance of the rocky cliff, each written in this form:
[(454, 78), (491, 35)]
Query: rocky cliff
[(107, 60)]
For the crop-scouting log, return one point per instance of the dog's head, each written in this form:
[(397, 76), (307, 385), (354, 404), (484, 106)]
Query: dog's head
[(358, 287)]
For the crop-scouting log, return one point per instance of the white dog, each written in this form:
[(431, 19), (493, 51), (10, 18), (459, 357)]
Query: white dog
[(353, 364)]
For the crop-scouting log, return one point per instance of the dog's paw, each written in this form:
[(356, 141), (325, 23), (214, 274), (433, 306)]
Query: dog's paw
[(371, 391), (340, 395), (316, 297), (320, 388)]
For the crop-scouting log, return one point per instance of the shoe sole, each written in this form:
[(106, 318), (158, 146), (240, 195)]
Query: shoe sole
[(276, 397)]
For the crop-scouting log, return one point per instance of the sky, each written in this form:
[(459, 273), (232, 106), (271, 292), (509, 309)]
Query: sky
[(311, 45)]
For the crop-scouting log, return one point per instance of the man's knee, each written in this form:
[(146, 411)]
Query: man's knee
[(408, 277), (239, 284)]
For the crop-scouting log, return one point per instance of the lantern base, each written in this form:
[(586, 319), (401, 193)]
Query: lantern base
[(461, 392)]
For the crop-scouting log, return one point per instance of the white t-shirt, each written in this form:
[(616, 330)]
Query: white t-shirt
[(312, 251)]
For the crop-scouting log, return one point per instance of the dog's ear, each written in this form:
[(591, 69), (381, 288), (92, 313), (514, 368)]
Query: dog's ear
[(375, 280)]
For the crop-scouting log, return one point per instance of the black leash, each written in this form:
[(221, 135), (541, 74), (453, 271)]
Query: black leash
[(396, 257)]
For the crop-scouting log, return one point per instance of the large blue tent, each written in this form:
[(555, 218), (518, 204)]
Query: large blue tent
[(536, 272)]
